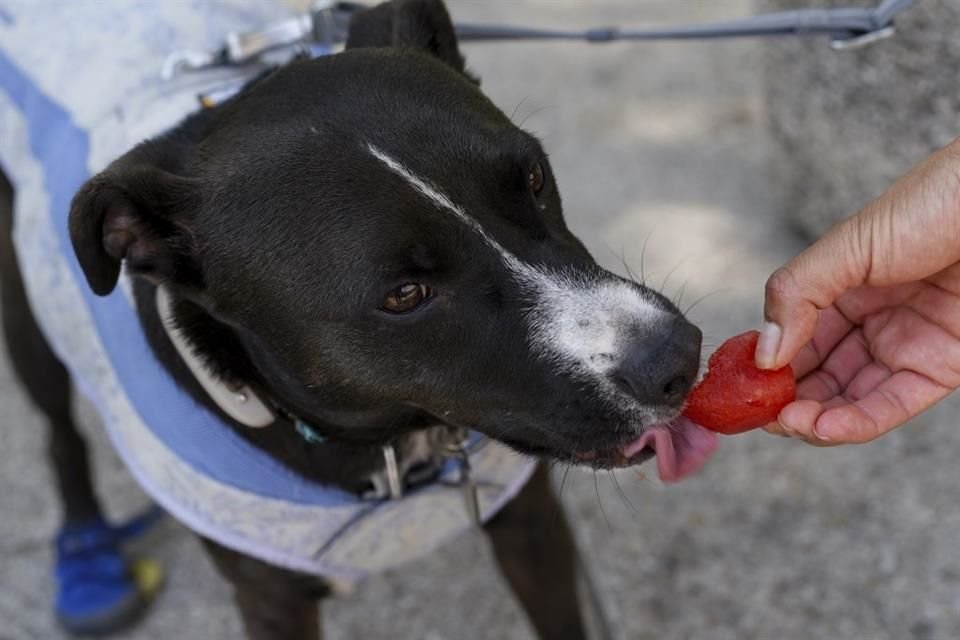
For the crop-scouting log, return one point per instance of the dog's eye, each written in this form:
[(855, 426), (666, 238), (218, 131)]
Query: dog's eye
[(535, 178), (406, 298)]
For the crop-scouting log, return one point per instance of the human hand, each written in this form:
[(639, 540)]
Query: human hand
[(869, 316)]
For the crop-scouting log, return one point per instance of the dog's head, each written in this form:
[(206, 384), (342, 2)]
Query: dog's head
[(383, 242)]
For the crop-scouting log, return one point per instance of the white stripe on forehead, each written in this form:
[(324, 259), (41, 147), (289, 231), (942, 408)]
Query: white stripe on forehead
[(583, 322), (441, 200), (434, 195)]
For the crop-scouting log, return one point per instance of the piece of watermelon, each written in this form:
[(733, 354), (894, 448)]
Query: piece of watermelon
[(735, 396)]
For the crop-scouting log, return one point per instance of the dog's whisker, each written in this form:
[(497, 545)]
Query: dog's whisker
[(558, 504), (535, 112), (616, 483), (683, 288), (563, 481), (708, 344), (626, 265), (517, 108), (596, 488), (710, 340), (643, 257), (666, 278), (621, 258), (704, 297)]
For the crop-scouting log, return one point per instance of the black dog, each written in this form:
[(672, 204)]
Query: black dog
[(369, 242)]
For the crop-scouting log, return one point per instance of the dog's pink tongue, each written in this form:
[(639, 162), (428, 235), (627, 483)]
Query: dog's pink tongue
[(682, 448)]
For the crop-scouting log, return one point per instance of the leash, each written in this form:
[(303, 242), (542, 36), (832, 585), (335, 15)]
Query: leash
[(327, 25)]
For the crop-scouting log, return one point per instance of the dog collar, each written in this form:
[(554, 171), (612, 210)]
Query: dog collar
[(238, 402), (426, 451)]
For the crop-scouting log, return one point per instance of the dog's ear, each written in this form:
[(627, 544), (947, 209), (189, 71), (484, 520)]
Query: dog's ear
[(137, 213), (416, 24)]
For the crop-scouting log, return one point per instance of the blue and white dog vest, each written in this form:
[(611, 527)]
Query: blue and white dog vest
[(70, 103)]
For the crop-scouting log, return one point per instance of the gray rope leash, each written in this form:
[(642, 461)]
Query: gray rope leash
[(842, 24), (328, 23)]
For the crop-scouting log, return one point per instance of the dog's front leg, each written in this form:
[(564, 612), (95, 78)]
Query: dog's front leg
[(275, 604), (537, 555)]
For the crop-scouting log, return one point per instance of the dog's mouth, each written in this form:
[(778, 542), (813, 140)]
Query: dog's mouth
[(680, 446)]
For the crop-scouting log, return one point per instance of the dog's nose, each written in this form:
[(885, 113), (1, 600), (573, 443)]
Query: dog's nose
[(661, 368)]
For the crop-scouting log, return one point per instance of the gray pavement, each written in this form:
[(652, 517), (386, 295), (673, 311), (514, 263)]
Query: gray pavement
[(663, 145)]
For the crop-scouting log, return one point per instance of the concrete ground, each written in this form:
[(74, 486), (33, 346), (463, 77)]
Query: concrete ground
[(656, 145)]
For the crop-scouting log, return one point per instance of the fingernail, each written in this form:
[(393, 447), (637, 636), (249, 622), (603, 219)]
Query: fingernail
[(787, 429), (820, 435), (768, 345)]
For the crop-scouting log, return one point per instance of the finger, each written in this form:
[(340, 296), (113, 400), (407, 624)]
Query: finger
[(901, 397), (934, 301), (847, 359), (813, 280), (905, 340), (948, 280), (832, 327), (836, 372), (866, 380), (856, 304), (776, 429), (914, 228), (798, 419), (818, 386), (909, 233), (832, 403)]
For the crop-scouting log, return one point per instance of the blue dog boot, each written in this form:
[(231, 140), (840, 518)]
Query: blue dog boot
[(98, 589)]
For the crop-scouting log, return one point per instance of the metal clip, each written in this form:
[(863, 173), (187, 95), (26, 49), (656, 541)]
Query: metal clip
[(471, 499), (243, 47), (858, 42), (324, 24), (394, 482)]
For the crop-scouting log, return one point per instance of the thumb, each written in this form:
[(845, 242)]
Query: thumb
[(797, 291), (910, 232)]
